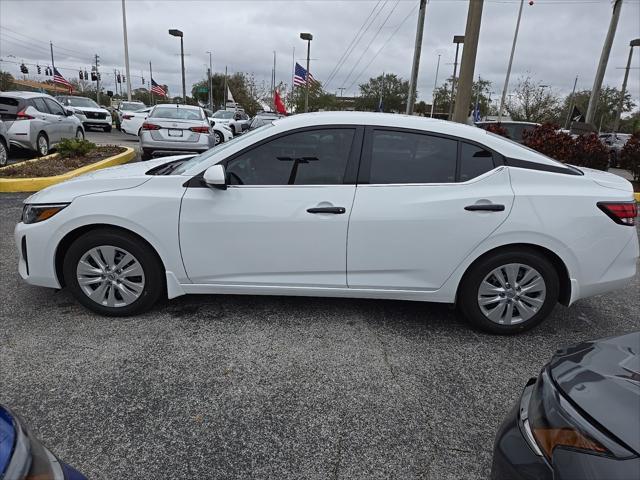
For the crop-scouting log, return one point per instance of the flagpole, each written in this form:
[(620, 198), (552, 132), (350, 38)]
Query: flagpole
[(151, 84), (226, 87), (293, 72), (273, 91), (570, 112)]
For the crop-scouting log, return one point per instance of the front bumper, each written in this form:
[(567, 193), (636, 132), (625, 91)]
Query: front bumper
[(513, 457), (36, 264)]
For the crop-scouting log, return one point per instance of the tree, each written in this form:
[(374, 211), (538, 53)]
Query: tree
[(394, 90), (533, 102), (481, 93), (607, 106), (242, 88), (6, 81), (630, 156), (319, 99)]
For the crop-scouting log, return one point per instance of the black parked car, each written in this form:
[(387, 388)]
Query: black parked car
[(580, 419), (23, 457)]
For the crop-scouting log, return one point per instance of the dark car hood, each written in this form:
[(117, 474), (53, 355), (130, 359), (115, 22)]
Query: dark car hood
[(603, 378)]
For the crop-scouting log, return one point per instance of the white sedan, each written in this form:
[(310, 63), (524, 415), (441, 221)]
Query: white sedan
[(132, 121), (340, 204)]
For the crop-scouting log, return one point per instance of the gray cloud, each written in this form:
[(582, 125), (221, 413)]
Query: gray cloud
[(558, 39)]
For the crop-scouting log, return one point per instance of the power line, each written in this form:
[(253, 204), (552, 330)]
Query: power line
[(370, 42), (383, 45), (351, 45), (32, 40)]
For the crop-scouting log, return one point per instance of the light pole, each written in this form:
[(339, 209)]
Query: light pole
[(633, 43), (417, 49), (308, 37), (177, 33), (457, 39), (210, 82), (513, 49), (126, 50), (435, 85)]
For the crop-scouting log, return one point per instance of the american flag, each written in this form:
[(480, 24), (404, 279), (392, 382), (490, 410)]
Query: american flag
[(157, 89), (300, 76), (57, 78)]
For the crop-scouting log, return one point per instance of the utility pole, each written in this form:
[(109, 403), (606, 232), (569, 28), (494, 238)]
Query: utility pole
[(308, 37), (53, 65), (457, 39), (126, 50), (226, 88), (602, 65), (210, 81), (435, 85), (513, 49), (115, 81), (417, 49), (468, 63), (97, 80), (633, 43), (342, 89), (572, 98), (150, 84), (273, 89)]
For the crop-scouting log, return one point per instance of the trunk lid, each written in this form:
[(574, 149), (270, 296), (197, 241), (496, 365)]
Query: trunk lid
[(606, 179)]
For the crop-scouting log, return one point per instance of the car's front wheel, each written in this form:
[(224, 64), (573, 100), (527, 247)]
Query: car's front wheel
[(217, 136), (4, 154), (113, 273), (79, 134), (509, 292)]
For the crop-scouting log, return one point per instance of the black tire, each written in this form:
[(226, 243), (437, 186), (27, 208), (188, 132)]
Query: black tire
[(146, 154), (81, 132), (107, 128), (233, 130), (218, 138), (39, 138), (154, 286), (4, 153), (469, 289)]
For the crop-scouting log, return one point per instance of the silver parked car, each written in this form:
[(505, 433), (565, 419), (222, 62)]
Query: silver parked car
[(4, 144), (36, 121), (175, 128), (88, 112)]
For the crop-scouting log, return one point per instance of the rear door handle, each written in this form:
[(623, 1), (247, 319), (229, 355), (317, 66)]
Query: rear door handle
[(487, 207), (334, 210)]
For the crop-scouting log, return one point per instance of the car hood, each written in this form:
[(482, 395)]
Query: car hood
[(603, 378), (120, 177), (91, 109)]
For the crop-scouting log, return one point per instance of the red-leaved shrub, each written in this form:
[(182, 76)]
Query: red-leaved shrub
[(590, 152), (548, 140), (498, 129), (630, 156)]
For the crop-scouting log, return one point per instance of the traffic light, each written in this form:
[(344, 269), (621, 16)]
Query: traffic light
[(39, 69), (93, 76), (143, 80), (23, 68), (47, 71), (99, 77), (80, 76), (119, 78), (124, 80), (86, 75)]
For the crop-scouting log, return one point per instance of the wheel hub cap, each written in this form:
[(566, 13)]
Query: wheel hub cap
[(511, 294), (110, 276)]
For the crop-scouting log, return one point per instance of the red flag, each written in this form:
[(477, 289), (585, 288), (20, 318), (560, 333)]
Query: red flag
[(279, 105)]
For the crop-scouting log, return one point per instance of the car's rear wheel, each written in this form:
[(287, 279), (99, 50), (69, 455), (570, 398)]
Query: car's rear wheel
[(4, 154), (79, 134), (217, 136), (146, 154), (112, 273), (42, 143), (509, 292)]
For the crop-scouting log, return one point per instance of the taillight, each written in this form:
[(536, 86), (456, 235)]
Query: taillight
[(200, 129), (21, 115), (127, 117), (624, 213), (150, 126)]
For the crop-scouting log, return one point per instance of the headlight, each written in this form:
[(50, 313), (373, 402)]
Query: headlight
[(555, 423), (32, 213)]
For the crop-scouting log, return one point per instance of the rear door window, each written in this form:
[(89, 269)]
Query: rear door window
[(474, 161)]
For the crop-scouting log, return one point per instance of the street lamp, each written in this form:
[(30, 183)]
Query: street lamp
[(308, 37), (633, 43), (457, 39), (177, 33)]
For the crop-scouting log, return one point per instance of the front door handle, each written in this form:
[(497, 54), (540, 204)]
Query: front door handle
[(334, 210), (485, 207)]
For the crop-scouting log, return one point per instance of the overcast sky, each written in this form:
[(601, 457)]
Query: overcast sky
[(558, 39)]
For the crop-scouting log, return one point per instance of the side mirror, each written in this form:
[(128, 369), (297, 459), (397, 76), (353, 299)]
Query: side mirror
[(215, 177), (68, 112), (212, 122)]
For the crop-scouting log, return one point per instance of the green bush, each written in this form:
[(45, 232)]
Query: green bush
[(630, 156), (74, 147)]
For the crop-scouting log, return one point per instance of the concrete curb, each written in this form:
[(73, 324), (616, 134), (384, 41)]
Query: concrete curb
[(38, 183)]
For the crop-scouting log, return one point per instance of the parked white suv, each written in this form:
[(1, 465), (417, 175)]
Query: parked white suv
[(340, 204), (88, 112), (36, 121)]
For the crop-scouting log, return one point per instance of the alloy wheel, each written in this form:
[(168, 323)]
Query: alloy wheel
[(511, 294), (43, 145), (217, 137), (110, 276)]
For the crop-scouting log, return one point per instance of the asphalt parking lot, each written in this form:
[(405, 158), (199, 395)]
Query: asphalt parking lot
[(271, 387)]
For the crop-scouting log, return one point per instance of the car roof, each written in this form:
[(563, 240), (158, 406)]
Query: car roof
[(23, 94), (179, 105), (506, 122)]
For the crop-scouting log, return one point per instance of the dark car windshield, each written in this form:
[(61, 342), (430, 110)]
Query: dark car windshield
[(78, 102), (177, 113)]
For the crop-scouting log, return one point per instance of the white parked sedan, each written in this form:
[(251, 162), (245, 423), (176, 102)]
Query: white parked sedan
[(340, 204), (131, 122)]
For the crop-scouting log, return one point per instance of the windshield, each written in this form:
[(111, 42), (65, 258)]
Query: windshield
[(80, 102), (132, 106), (215, 150), (223, 114), (177, 113)]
